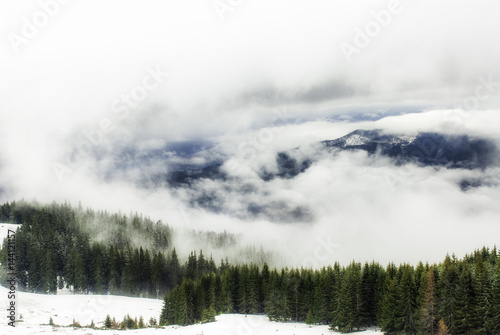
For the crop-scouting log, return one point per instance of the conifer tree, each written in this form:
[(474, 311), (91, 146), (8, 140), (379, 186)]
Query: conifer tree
[(107, 322), (495, 299), (408, 321), (389, 309), (80, 283), (49, 272), (467, 318), (158, 272), (208, 314), (347, 316), (447, 287), (224, 302), (442, 328), (173, 270), (310, 319), (429, 322), (482, 285)]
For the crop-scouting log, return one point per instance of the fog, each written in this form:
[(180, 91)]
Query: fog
[(96, 97)]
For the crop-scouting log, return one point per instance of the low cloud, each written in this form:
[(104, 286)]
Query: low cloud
[(268, 78)]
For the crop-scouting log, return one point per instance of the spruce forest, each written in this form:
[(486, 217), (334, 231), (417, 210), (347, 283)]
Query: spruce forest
[(55, 248)]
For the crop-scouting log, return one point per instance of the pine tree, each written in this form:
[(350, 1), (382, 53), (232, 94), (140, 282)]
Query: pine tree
[(310, 319), (192, 267), (495, 299), (442, 328), (141, 324), (80, 284), (447, 288), (482, 285), (107, 322), (347, 316), (429, 309), (208, 314), (389, 309), (145, 274), (173, 270), (407, 302), (158, 272), (253, 289), (243, 289), (49, 272), (467, 318), (368, 291), (225, 304)]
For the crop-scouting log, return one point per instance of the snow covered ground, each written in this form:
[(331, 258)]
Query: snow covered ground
[(35, 310), (4, 228)]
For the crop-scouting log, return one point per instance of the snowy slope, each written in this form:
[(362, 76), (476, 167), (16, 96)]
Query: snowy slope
[(36, 309)]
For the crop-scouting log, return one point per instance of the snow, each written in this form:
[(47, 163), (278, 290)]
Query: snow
[(4, 228), (356, 140), (36, 310)]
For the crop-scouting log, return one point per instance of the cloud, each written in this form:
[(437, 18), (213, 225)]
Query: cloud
[(267, 78)]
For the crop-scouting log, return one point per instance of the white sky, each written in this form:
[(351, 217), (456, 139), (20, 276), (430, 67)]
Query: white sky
[(227, 77)]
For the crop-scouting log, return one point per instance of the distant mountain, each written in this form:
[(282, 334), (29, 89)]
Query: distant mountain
[(451, 151), (209, 185), (425, 149)]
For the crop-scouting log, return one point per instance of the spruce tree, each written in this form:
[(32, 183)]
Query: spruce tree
[(107, 322), (495, 299), (224, 302), (429, 321), (467, 318), (310, 319), (408, 320), (442, 328), (389, 310), (447, 287)]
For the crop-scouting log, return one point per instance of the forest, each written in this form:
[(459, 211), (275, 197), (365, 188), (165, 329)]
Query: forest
[(54, 249)]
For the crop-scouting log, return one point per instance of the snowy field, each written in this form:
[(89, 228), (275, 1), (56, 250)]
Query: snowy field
[(37, 309)]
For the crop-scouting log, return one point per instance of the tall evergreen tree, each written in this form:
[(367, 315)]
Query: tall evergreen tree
[(389, 310), (447, 287), (429, 322), (408, 321), (495, 299)]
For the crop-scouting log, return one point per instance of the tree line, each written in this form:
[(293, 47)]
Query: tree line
[(56, 248), (453, 297)]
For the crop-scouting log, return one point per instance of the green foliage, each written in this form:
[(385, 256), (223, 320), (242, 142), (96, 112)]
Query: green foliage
[(310, 318), (108, 323), (153, 322), (208, 314), (53, 246)]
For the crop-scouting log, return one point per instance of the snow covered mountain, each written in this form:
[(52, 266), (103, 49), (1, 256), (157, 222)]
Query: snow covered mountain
[(424, 149), (429, 149)]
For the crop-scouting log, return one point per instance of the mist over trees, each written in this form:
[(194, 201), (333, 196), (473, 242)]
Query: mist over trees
[(60, 246), (454, 297), (56, 247)]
